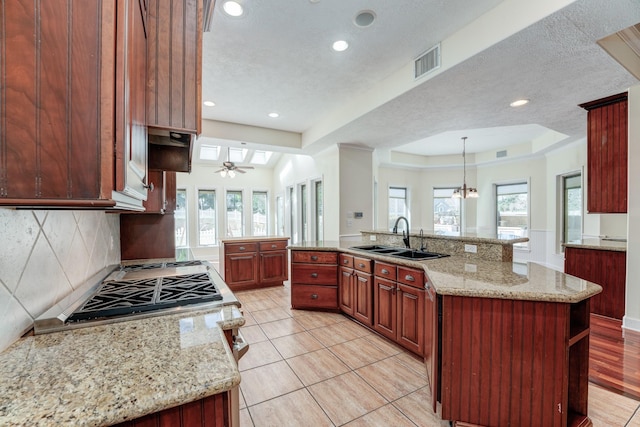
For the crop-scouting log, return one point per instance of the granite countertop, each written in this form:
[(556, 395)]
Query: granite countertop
[(598, 244), (107, 374), (252, 238), (465, 237), (488, 279)]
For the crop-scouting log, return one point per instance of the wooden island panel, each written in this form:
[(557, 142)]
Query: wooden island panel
[(510, 362)]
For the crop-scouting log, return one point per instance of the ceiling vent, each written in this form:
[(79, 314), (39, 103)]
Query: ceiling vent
[(502, 153), (427, 62)]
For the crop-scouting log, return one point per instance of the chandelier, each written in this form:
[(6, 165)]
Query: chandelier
[(464, 192)]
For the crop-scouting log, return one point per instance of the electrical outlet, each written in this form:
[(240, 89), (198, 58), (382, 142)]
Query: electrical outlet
[(471, 248), (471, 268), (373, 237)]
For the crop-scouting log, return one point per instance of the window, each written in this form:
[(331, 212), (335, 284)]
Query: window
[(206, 217), (180, 216), (446, 212), (303, 212), (235, 223), (571, 207), (292, 214), (209, 152), (260, 157), (397, 204), (318, 212), (237, 155), (280, 216), (512, 208), (260, 208)]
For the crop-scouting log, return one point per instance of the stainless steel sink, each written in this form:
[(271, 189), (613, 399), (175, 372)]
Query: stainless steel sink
[(398, 252)]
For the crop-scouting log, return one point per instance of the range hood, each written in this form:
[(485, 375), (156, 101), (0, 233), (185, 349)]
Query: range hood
[(170, 150)]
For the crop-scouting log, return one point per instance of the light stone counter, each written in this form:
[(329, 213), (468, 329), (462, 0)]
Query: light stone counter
[(108, 374), (598, 244), (459, 276)]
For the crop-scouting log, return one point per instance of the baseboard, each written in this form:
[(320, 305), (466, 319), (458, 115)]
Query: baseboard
[(631, 324)]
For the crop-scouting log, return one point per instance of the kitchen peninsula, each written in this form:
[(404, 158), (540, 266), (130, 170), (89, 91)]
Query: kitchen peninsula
[(504, 343)]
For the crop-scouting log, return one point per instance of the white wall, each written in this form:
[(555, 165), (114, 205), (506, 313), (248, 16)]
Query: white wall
[(203, 177), (44, 256), (631, 319), (356, 190)]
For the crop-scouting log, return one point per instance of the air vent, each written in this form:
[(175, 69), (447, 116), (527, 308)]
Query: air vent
[(427, 62), (502, 153)]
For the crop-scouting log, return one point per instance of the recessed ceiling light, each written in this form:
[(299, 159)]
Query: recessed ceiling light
[(365, 18), (274, 115), (232, 8), (519, 103), (209, 103), (340, 46)]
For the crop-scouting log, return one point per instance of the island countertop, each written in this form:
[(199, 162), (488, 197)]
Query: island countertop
[(598, 244), (107, 374), (455, 275)]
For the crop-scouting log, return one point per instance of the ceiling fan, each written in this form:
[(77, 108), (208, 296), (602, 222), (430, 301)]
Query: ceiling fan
[(229, 168)]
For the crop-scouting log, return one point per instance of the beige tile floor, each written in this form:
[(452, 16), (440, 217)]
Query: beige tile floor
[(310, 369)]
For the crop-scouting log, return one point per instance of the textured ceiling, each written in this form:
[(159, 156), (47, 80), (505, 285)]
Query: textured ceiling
[(279, 59)]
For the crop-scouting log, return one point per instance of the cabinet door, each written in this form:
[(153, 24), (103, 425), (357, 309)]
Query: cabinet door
[(346, 290), (273, 267), (57, 137), (175, 65), (130, 109), (385, 307), (241, 269), (411, 318), (363, 298)]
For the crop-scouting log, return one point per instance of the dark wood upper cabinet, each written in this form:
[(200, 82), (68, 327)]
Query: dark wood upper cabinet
[(72, 104), (607, 154), (174, 65)]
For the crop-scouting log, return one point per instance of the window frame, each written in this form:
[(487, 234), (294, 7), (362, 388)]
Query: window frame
[(216, 221), (406, 204), (242, 212), (514, 182), (266, 214), (562, 179), (186, 218), (459, 201)]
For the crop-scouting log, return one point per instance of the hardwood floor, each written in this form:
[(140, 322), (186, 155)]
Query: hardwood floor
[(614, 358)]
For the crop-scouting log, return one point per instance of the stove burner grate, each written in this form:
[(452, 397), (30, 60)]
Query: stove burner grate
[(136, 296)]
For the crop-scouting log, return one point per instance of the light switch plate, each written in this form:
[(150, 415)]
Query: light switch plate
[(471, 248), (372, 237)]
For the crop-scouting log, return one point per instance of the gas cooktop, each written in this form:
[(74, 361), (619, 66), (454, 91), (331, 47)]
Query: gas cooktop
[(134, 296), (124, 292)]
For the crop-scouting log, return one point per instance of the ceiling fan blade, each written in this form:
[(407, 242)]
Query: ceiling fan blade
[(220, 170), (239, 170), (246, 167)]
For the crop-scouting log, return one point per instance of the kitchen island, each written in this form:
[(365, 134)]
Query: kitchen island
[(170, 366), (504, 343)]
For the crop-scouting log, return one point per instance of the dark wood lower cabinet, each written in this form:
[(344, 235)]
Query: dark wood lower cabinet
[(385, 307), (514, 363), (606, 268), (212, 411), (249, 263), (411, 320)]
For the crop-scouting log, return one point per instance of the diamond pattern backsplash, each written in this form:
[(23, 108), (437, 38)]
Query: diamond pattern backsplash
[(44, 256)]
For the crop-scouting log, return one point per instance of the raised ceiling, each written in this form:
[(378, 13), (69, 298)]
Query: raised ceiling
[(278, 58)]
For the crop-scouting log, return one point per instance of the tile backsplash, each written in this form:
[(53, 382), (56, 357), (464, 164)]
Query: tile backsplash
[(44, 256)]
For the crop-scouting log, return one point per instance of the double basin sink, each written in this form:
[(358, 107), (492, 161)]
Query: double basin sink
[(398, 252)]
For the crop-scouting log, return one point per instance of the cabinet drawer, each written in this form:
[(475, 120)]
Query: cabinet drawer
[(388, 271), (411, 277), (314, 296), (362, 264), (314, 274), (346, 261), (236, 248), (273, 246), (315, 257)]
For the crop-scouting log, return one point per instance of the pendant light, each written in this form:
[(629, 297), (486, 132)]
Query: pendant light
[(464, 192)]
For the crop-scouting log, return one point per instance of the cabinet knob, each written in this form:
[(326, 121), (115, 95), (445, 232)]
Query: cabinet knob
[(274, 246), (409, 278), (346, 261), (314, 275), (314, 296), (242, 248), (361, 265), (385, 271), (314, 258)]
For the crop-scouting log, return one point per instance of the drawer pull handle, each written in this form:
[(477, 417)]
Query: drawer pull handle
[(361, 265), (409, 278), (314, 275), (314, 258), (346, 261), (242, 248), (274, 246), (385, 271), (314, 296)]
